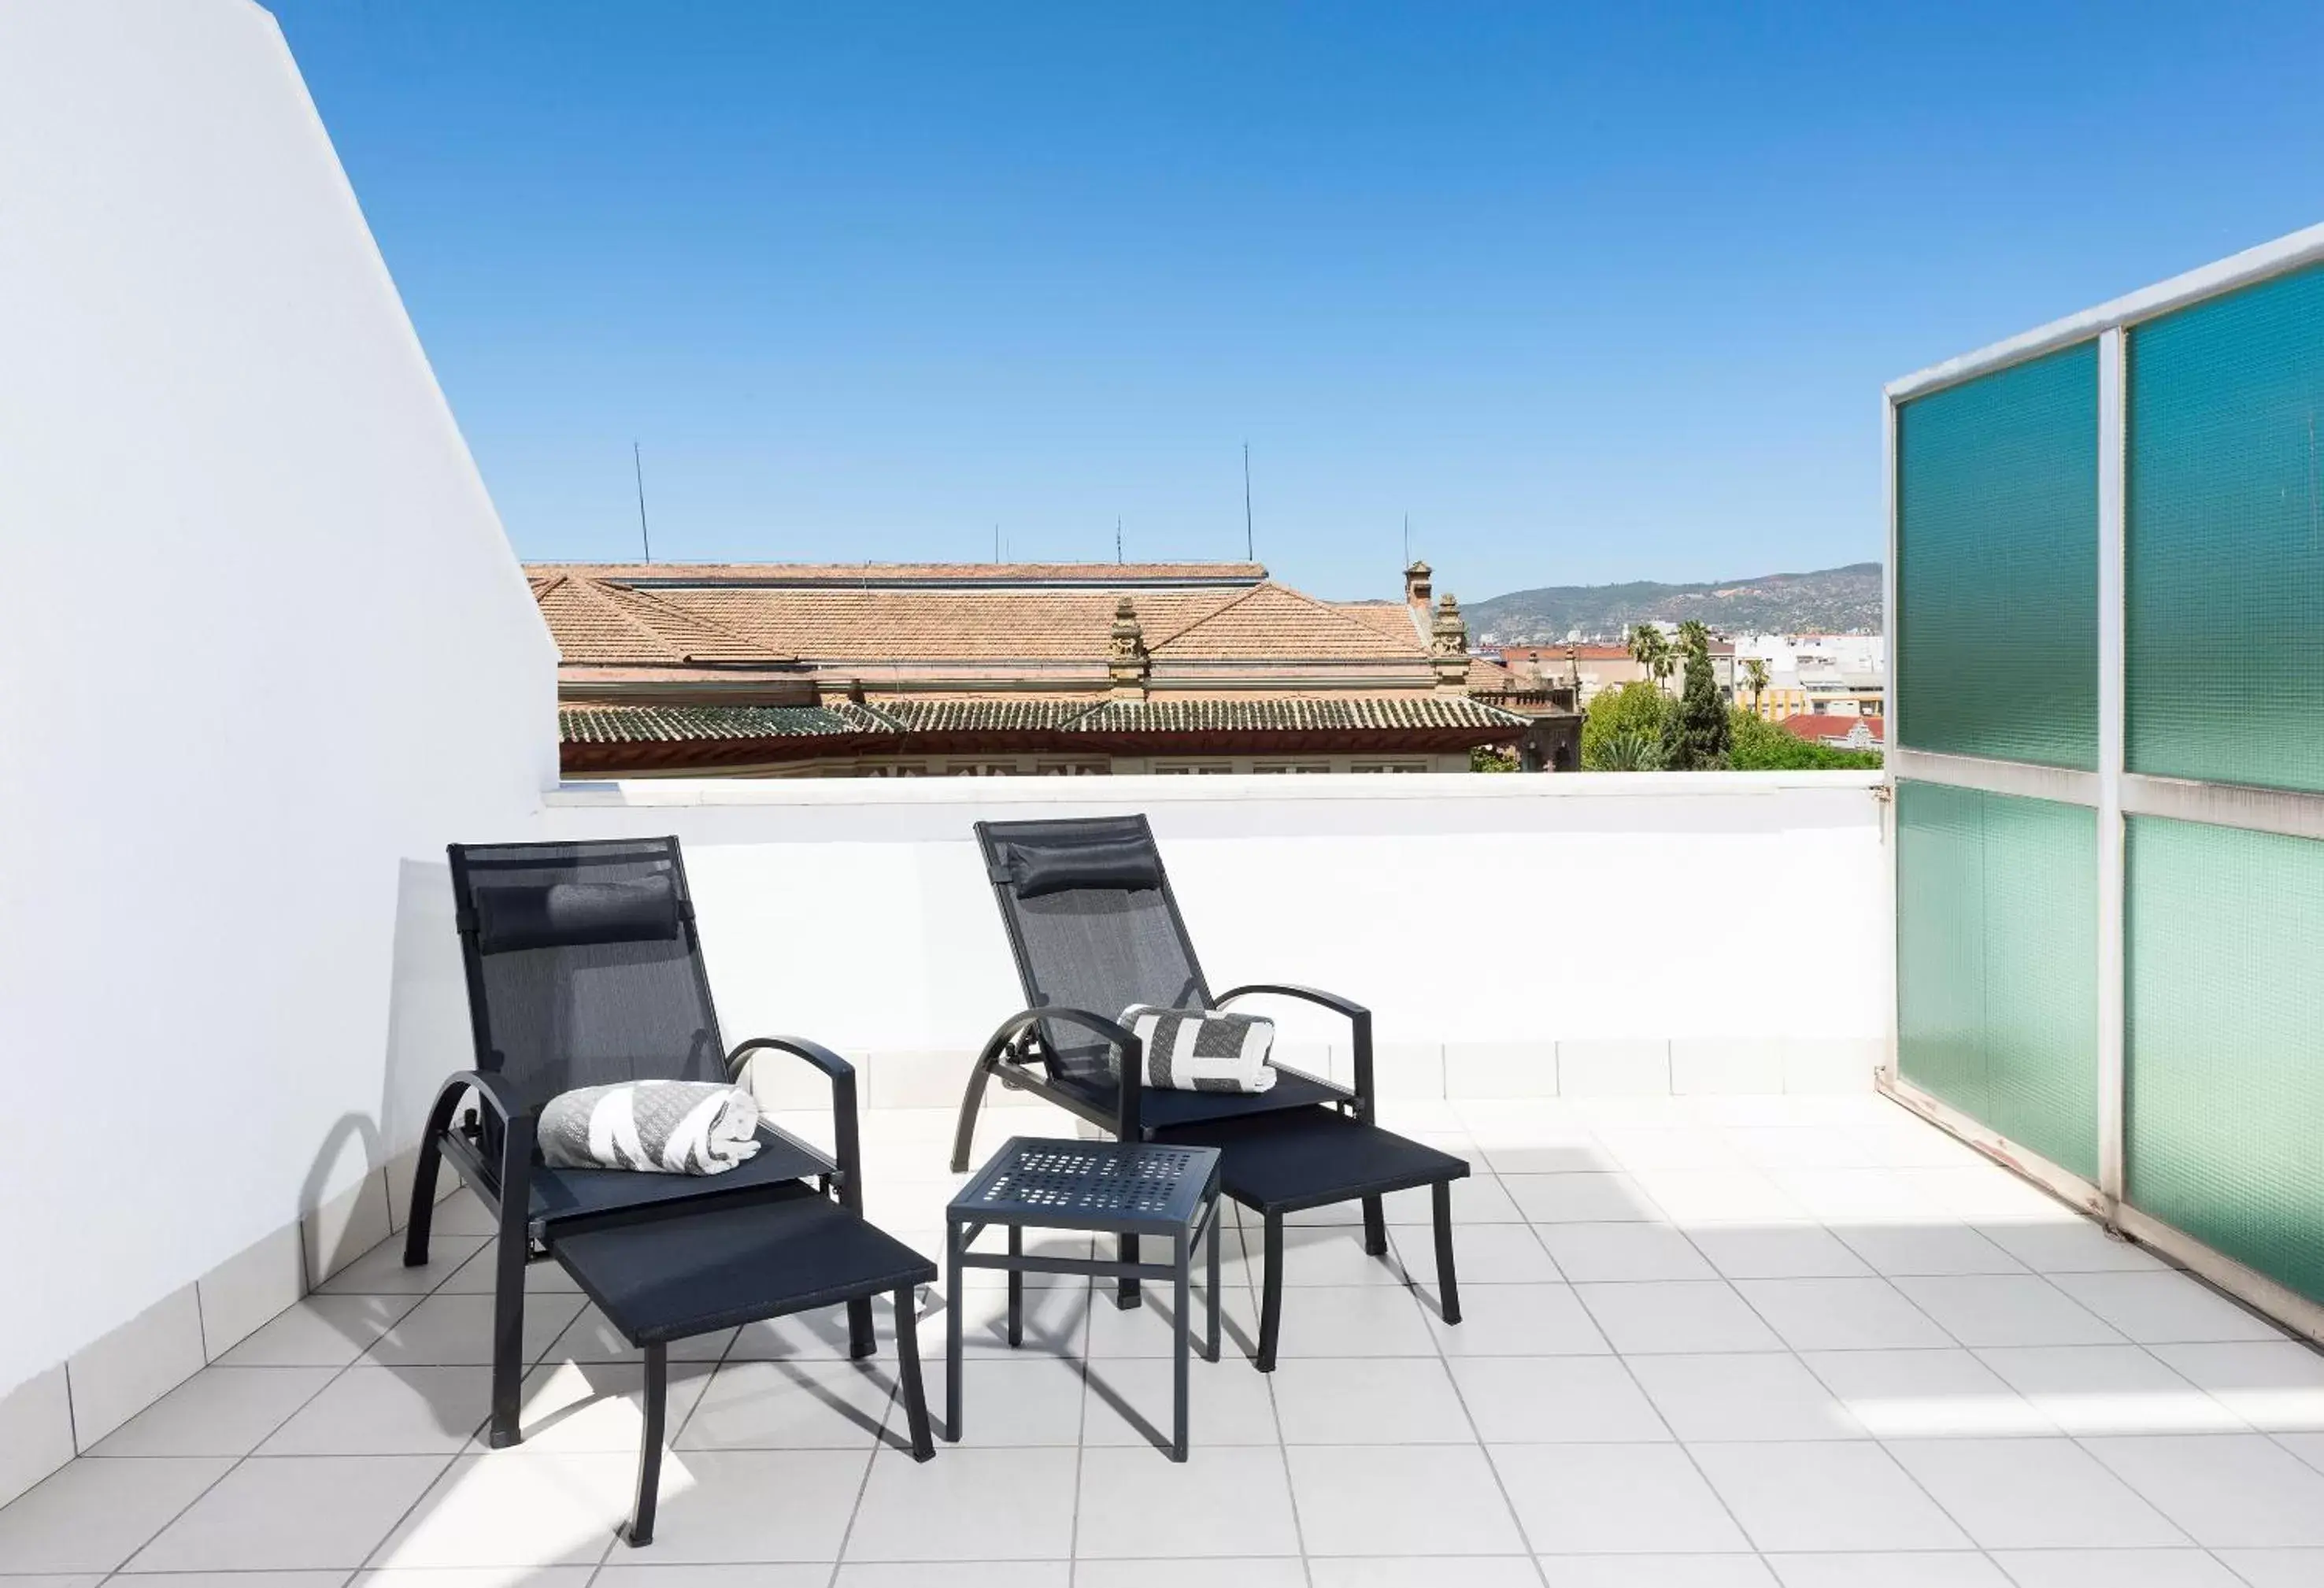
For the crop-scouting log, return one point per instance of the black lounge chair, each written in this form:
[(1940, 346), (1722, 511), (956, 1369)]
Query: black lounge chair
[(1095, 929), (583, 967)]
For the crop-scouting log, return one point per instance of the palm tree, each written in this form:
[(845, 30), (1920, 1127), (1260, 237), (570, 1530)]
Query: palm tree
[(1754, 678), (1652, 652)]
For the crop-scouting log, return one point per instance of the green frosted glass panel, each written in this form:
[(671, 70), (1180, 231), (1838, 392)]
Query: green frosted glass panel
[(2224, 1088), (2223, 538), (1996, 962), (1998, 564)]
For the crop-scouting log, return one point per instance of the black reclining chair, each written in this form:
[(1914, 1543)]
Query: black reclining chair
[(1095, 929), (583, 968)]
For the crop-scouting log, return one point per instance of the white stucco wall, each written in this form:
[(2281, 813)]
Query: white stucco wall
[(264, 649), (1513, 935)]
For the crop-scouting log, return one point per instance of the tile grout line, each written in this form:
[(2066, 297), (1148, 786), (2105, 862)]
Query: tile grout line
[(1461, 1398), (236, 1464)]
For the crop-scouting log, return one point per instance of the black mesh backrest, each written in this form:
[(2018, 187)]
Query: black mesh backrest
[(1101, 947), (583, 966)]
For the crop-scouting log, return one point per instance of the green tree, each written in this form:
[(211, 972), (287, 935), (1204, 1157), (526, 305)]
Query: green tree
[(1621, 721), (1651, 651), (1695, 736), (1492, 758), (1754, 678), (1759, 746)]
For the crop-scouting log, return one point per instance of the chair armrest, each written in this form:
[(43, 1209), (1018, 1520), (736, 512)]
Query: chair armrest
[(842, 1074), (1359, 1024), (1131, 1062), (519, 1128)]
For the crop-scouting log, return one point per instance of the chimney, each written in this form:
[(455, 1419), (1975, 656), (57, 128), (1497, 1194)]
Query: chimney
[(1416, 594), (1448, 646), (1126, 661)]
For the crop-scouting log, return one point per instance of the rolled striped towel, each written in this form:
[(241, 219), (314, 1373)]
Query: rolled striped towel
[(660, 1127), (1203, 1050)]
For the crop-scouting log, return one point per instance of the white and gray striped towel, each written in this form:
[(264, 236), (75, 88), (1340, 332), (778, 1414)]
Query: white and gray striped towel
[(1202, 1049), (660, 1127)]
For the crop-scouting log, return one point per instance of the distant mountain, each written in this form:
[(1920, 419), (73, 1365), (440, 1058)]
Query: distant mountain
[(1836, 600)]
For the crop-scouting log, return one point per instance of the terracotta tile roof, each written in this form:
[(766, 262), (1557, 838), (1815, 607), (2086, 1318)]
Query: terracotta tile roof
[(599, 622), (883, 625), (1293, 714), (1490, 678), (603, 624), (1273, 620), (642, 724), (1393, 619), (980, 716), (1816, 728), (648, 724), (871, 574)]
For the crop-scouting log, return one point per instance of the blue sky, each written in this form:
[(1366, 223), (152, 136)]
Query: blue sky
[(1591, 293)]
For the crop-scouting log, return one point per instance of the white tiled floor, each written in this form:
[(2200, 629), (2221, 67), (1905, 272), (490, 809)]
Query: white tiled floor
[(1780, 1343)]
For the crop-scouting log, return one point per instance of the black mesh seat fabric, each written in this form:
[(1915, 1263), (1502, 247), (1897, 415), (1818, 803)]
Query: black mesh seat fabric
[(595, 1004), (1160, 1108), (1103, 948), (668, 1279), (779, 1167)]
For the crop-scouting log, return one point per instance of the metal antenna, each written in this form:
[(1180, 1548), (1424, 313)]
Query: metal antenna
[(638, 464), (1117, 537), (1247, 554), (996, 545)]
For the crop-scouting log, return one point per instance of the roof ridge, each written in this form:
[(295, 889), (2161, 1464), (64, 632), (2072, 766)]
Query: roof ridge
[(1313, 602), (1234, 600), (682, 617)]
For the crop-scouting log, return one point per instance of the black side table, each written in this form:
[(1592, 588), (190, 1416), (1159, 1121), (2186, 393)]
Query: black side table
[(1103, 1187)]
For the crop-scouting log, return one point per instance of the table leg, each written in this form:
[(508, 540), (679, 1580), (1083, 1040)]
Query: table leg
[(908, 1363), (1182, 1303), (953, 1303), (1211, 1345), (1016, 1289), (1125, 1292), (640, 1531)]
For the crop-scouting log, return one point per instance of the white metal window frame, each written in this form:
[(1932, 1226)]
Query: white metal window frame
[(2112, 790)]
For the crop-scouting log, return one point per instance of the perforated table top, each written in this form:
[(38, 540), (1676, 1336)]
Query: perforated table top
[(1062, 1185)]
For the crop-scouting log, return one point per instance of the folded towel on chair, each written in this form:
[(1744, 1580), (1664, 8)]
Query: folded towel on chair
[(662, 1127), (1202, 1049)]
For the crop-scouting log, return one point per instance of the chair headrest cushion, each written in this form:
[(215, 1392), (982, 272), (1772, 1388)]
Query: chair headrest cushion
[(566, 915), (1124, 866)]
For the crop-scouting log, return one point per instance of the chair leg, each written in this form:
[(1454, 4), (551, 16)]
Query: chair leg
[(422, 1216), (640, 1532), (1270, 1295), (907, 1365), (508, 1335), (1375, 1228), (963, 1135), (1125, 1289), (1448, 1288), (861, 1342)]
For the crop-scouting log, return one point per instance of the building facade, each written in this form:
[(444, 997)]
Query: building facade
[(1029, 670)]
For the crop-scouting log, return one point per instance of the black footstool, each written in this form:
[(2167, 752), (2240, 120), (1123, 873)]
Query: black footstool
[(1281, 1163), (660, 1280)]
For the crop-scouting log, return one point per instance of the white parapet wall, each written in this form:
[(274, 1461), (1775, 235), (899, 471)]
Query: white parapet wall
[(264, 648), (1514, 935)]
